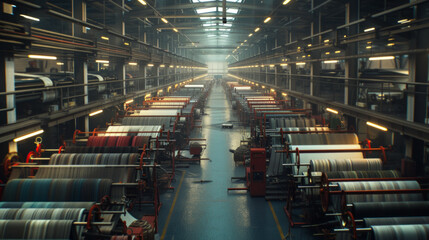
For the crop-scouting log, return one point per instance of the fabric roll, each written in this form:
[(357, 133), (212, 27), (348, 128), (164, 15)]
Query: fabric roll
[(36, 229), (305, 158), (81, 149), (321, 139), (395, 221), (401, 232), (56, 190), (85, 205), (364, 174), (94, 158), (377, 185), (336, 165), (390, 209), (42, 213)]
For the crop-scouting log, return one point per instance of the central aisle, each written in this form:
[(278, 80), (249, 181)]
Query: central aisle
[(207, 210)]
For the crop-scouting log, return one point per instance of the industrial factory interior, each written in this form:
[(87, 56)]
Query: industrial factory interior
[(214, 119)]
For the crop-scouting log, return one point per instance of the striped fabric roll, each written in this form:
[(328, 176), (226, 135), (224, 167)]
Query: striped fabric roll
[(36, 229), (336, 165), (395, 221), (378, 185), (94, 158), (42, 213), (85, 205), (323, 138), (364, 174), (401, 232), (56, 190), (117, 141), (81, 149)]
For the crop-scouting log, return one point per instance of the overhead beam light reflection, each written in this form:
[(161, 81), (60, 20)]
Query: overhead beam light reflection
[(267, 19), (29, 17), (286, 2)]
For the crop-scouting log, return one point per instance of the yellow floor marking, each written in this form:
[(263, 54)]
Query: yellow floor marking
[(164, 231), (276, 220)]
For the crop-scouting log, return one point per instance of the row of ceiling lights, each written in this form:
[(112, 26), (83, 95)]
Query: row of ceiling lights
[(143, 2), (303, 63)]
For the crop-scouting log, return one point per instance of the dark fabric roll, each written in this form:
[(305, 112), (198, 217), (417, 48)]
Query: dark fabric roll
[(56, 190), (36, 229), (85, 205), (116, 174), (395, 221), (401, 232), (390, 209), (94, 158)]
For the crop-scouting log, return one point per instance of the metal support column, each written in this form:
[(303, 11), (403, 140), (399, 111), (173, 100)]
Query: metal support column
[(7, 102), (351, 65)]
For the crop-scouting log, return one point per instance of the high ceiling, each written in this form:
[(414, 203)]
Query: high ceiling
[(201, 23)]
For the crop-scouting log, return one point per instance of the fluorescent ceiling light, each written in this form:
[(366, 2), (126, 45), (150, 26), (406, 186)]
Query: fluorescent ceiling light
[(286, 2), (29, 17), (60, 63), (28, 135), (174, 29), (245, 40), (403, 21), (376, 126), (95, 113), (101, 61), (42, 57), (257, 29), (330, 61), (300, 63), (331, 110), (381, 58), (369, 29), (142, 2), (162, 66), (129, 101), (267, 19), (250, 34), (132, 63), (150, 65), (104, 38), (164, 20), (284, 94)]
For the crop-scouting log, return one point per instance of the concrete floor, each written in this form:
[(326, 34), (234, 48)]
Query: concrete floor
[(206, 210)]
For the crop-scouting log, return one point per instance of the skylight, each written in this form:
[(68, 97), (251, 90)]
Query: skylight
[(232, 10), (206, 10), (234, 1)]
